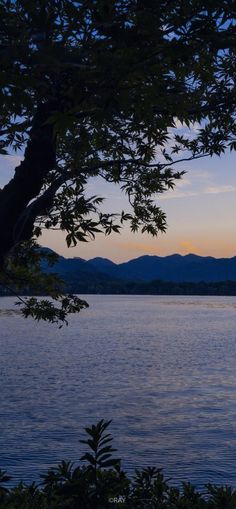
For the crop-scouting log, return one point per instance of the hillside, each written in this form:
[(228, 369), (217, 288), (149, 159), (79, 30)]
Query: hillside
[(150, 275), (174, 268)]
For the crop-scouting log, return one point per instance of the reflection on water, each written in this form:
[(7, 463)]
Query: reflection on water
[(162, 368), (9, 312)]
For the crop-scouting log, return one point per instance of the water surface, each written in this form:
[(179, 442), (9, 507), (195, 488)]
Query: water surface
[(162, 368)]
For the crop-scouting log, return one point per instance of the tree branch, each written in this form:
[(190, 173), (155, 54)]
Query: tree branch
[(24, 226), (29, 176)]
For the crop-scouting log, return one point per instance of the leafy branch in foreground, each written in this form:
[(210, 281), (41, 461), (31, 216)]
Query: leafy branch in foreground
[(24, 272), (102, 484), (45, 310)]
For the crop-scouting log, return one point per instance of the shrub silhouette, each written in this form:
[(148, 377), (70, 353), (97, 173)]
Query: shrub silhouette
[(100, 483)]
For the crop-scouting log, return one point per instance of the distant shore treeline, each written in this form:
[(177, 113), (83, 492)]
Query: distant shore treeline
[(157, 288), (119, 287)]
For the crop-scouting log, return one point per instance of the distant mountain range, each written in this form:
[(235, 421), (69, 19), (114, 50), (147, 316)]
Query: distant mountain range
[(146, 275), (175, 268), (149, 275)]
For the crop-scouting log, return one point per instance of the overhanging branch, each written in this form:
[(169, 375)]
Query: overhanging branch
[(24, 226)]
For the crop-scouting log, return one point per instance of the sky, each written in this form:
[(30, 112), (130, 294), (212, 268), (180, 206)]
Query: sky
[(200, 215)]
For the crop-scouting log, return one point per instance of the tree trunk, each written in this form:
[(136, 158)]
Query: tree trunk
[(39, 160)]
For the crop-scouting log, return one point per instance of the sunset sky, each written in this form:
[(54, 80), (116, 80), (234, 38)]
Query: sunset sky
[(200, 214)]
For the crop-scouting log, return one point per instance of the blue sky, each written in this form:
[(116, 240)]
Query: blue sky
[(200, 214)]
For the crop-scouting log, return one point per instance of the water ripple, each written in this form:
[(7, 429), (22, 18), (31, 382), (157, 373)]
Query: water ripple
[(162, 368)]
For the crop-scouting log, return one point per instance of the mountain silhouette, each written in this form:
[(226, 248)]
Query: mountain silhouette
[(176, 268)]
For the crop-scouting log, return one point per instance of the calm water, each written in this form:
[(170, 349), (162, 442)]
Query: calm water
[(162, 368)]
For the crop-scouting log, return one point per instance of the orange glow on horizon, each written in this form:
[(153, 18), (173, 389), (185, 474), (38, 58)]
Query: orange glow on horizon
[(121, 248)]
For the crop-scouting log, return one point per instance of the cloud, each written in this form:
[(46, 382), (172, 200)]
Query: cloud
[(198, 174), (184, 182), (207, 190), (171, 195), (188, 246), (219, 189), (10, 161), (138, 246), (8, 164)]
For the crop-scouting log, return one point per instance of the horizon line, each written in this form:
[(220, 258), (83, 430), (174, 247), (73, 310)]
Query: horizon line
[(143, 256)]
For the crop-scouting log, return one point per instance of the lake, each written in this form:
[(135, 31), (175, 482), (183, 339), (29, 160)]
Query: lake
[(162, 368)]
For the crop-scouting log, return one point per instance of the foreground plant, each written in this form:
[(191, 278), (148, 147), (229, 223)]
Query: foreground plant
[(102, 484)]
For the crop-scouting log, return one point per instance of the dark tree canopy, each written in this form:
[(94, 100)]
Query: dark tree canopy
[(99, 88)]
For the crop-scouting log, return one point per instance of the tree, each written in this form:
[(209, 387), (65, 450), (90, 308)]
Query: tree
[(98, 88)]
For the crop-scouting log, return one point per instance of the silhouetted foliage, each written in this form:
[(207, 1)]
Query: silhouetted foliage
[(102, 484), (100, 89)]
